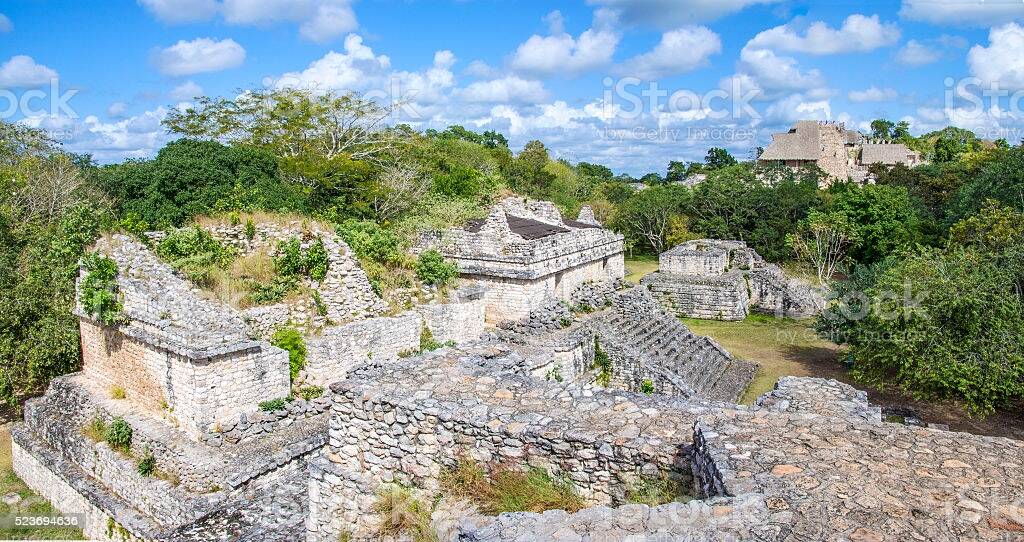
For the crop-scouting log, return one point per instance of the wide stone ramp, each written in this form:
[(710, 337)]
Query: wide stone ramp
[(637, 328)]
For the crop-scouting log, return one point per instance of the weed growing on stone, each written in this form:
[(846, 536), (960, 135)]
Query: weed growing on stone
[(118, 434), (658, 490), (647, 386), (603, 364), (96, 429), (311, 392), (118, 392), (500, 489), (403, 515), (274, 404), (147, 464)]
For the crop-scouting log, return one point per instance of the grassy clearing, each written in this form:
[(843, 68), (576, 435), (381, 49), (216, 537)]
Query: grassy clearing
[(498, 489), (639, 265), (781, 346), (27, 501), (785, 347)]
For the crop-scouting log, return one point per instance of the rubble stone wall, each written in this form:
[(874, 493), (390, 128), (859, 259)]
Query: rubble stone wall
[(408, 426), (337, 350), (710, 298)]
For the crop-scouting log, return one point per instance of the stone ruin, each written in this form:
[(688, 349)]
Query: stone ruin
[(811, 460), (526, 253), (712, 279)]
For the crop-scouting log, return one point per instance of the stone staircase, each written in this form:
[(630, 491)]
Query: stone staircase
[(650, 342)]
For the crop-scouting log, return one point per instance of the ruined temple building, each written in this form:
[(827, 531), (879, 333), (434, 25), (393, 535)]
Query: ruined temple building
[(725, 280), (841, 153), (598, 385), (526, 252)]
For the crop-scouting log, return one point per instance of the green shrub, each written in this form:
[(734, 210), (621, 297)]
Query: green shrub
[(274, 404), (290, 339), (316, 261), (647, 386), (96, 430), (98, 291), (311, 392), (273, 291), (289, 261), (194, 253), (250, 229), (431, 268), (147, 464), (554, 373), (371, 242), (118, 434)]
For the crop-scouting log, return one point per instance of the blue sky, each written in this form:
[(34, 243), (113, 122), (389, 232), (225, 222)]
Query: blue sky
[(530, 69)]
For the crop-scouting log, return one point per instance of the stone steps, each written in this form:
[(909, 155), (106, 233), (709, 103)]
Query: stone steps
[(649, 334)]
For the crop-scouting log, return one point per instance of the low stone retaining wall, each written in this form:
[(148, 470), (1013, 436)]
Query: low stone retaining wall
[(461, 320)]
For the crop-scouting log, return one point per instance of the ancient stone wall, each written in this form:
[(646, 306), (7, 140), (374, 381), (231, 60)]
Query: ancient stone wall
[(339, 349), (834, 159), (710, 298), (407, 422), (460, 320)]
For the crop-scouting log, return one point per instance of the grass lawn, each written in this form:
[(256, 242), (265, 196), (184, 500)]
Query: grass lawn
[(640, 265), (782, 347), (17, 498)]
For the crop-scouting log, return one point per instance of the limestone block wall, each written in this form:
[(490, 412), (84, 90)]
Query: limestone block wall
[(710, 262), (710, 298), (510, 298), (199, 391), (337, 350), (459, 321)]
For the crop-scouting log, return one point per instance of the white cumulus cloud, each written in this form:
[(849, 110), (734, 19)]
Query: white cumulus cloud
[(117, 110), (857, 34), (22, 71), (511, 89), (1002, 61), (186, 91), (915, 53), (357, 68), (679, 51), (202, 55), (562, 54), (873, 94), (319, 20), (960, 12)]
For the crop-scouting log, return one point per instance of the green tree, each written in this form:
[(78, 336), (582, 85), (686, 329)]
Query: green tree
[(881, 128), (645, 218), (718, 158), (885, 219)]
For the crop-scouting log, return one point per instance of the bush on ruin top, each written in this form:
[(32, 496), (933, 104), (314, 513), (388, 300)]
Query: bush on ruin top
[(98, 290), (432, 269), (194, 253)]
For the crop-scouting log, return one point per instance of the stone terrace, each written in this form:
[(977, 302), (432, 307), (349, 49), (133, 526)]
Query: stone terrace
[(813, 463)]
